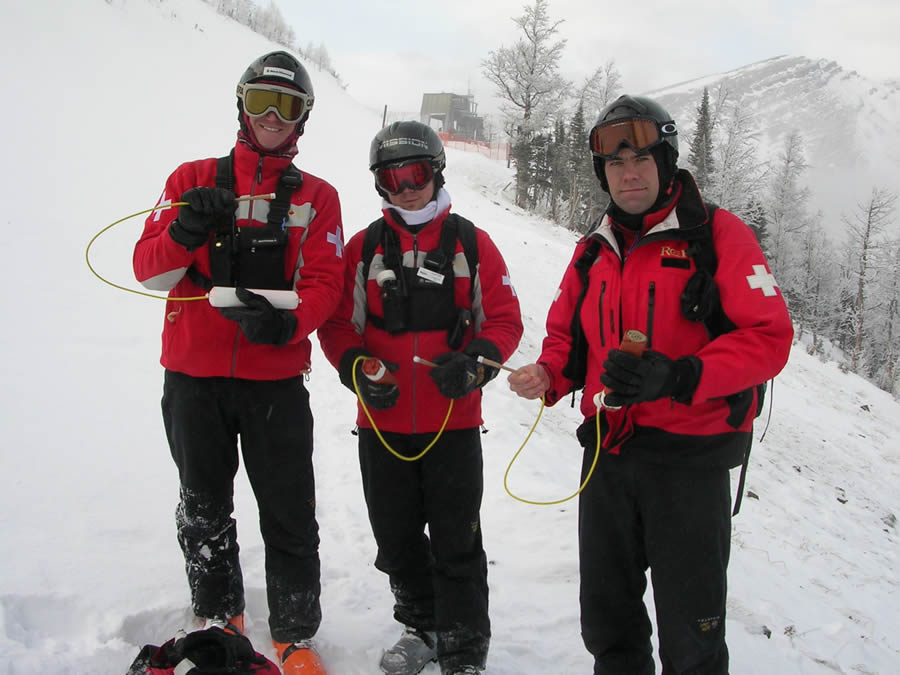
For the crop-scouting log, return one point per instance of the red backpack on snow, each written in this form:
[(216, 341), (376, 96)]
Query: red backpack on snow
[(203, 652)]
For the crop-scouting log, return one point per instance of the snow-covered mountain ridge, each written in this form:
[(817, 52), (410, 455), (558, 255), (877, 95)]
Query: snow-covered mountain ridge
[(850, 124)]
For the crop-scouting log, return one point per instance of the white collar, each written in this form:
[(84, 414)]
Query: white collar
[(424, 215)]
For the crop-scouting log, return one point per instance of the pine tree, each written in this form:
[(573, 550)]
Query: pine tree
[(701, 155)]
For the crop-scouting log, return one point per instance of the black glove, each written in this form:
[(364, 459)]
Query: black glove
[(633, 379), (260, 321), (205, 206), (377, 395), (457, 374), (486, 348)]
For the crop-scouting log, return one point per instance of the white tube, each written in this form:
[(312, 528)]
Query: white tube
[(225, 296)]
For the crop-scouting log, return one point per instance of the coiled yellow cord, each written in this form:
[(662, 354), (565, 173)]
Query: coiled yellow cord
[(378, 433), (87, 250), (555, 501)]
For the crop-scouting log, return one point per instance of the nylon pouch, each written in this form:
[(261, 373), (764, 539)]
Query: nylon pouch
[(260, 258), (430, 306)]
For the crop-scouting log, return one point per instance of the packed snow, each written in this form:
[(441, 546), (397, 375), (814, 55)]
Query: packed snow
[(104, 100)]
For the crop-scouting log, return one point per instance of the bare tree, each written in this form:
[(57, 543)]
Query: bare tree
[(599, 89), (786, 209), (815, 307), (738, 181), (866, 229), (526, 74), (527, 79)]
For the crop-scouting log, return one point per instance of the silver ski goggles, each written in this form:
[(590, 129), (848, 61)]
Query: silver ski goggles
[(288, 104)]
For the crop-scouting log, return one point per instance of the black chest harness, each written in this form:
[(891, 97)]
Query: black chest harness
[(422, 299), (251, 257)]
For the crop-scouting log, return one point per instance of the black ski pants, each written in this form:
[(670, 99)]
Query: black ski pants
[(204, 417), (439, 581), (676, 521)]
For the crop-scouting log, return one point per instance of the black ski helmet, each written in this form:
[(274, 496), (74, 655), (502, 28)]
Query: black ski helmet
[(282, 68), (409, 140), (665, 153)]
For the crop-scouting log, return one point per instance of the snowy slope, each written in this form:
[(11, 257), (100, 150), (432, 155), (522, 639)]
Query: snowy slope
[(104, 101)]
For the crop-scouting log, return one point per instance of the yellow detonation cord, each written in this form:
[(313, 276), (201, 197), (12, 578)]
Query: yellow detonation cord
[(87, 250), (555, 501), (378, 433)]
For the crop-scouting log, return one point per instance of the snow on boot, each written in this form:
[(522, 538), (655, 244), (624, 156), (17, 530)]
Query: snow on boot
[(234, 625), (413, 651), (299, 658), (462, 670)]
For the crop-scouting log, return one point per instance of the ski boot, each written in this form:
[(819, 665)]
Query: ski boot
[(299, 658), (412, 652)]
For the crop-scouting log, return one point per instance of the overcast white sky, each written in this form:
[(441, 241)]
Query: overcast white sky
[(390, 52)]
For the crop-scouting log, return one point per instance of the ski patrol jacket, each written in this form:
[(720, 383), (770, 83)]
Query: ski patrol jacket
[(486, 291), (197, 340), (641, 289)]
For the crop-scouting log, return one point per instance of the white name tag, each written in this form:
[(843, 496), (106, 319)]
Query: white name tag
[(428, 275)]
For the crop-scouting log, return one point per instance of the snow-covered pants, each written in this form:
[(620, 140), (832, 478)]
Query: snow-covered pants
[(440, 583), (204, 418), (676, 521)]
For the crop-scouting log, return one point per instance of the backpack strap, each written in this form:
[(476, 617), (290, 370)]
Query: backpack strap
[(701, 302), (291, 179), (220, 256), (374, 234), (465, 232), (225, 172), (576, 365)]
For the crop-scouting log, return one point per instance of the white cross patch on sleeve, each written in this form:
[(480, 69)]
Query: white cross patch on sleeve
[(763, 280), (508, 282), (335, 238), (164, 204)]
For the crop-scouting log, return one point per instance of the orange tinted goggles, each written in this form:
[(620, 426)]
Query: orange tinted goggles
[(636, 133)]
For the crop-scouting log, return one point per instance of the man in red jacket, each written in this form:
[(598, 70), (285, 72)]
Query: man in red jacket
[(675, 419), (238, 371), (422, 281)]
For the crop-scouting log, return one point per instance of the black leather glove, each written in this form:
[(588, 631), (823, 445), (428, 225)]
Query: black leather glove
[(205, 206), (633, 379), (377, 395), (457, 374), (262, 323)]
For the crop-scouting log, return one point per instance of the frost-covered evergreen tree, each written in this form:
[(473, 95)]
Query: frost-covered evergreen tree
[(701, 148), (527, 79)]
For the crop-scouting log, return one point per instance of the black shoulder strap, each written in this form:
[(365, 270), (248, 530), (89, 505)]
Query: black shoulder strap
[(224, 180), (454, 227), (701, 289), (225, 172), (576, 365), (465, 232), (717, 323), (374, 233), (291, 179)]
